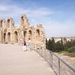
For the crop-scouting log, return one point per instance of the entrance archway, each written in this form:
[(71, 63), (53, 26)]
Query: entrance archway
[(4, 37), (25, 34), (15, 37), (9, 37), (30, 34)]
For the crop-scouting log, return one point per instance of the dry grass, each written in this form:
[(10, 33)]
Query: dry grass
[(70, 54)]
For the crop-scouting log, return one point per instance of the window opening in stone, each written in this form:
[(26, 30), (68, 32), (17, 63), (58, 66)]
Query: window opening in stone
[(2, 23), (30, 32), (9, 23), (22, 18), (38, 32), (37, 35)]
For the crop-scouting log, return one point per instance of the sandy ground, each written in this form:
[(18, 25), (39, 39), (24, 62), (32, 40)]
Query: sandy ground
[(13, 61)]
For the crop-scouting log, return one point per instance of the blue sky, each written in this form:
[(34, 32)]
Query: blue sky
[(56, 16)]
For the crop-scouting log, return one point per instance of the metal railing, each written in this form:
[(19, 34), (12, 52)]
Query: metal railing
[(59, 66)]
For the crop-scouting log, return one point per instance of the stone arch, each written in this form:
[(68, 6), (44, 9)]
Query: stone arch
[(24, 21), (25, 33), (38, 34), (16, 37), (30, 34), (1, 38), (9, 22), (2, 21), (22, 18), (9, 37), (4, 37)]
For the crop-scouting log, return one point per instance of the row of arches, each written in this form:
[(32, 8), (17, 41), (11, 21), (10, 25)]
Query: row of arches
[(8, 37), (6, 23), (2, 21), (13, 37), (30, 34)]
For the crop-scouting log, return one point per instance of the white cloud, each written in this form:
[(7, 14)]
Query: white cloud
[(42, 12), (37, 15), (3, 8), (57, 29), (16, 10)]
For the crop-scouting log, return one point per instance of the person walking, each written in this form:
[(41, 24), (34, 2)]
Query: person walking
[(29, 44)]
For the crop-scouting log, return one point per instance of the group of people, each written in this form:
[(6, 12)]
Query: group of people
[(27, 45)]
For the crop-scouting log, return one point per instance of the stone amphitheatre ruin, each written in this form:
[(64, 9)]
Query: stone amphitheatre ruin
[(11, 34)]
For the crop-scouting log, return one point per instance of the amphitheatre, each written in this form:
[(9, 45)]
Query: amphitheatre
[(9, 33), (12, 57), (14, 61)]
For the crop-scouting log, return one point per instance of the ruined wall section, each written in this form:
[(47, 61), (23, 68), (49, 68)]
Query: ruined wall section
[(13, 34), (40, 36), (9, 23), (24, 21), (2, 24)]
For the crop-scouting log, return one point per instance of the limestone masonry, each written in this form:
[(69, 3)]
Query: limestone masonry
[(9, 33)]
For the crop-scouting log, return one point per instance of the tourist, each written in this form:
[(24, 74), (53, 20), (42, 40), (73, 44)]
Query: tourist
[(29, 44), (24, 45)]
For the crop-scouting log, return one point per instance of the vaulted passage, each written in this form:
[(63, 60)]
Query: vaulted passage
[(15, 37), (25, 33), (4, 37), (30, 34), (9, 37)]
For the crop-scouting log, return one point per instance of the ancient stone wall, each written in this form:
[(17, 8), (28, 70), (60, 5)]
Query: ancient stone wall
[(15, 34)]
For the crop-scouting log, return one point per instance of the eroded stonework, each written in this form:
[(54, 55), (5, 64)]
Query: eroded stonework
[(14, 35)]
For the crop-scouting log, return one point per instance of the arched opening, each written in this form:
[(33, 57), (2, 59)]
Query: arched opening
[(37, 34), (15, 37), (4, 37), (9, 23), (25, 34), (9, 37), (22, 20), (1, 38), (30, 34), (2, 23)]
